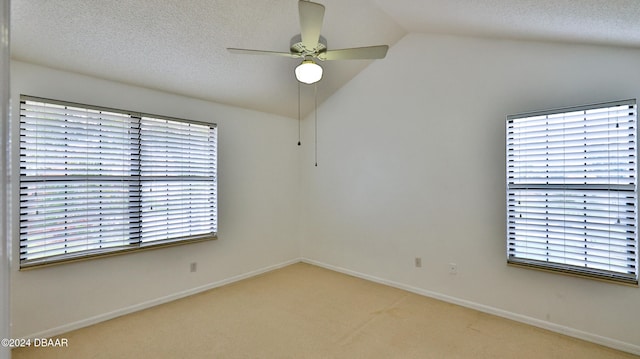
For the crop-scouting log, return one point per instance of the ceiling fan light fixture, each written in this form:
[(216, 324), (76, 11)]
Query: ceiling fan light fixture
[(308, 72)]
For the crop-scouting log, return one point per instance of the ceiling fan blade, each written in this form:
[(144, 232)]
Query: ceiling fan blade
[(311, 16), (356, 53), (262, 52)]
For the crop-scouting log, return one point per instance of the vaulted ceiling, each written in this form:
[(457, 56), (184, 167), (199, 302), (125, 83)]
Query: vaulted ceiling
[(180, 46)]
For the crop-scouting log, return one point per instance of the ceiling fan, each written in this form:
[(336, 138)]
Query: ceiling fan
[(310, 45)]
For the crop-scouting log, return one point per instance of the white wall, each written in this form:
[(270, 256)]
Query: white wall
[(4, 119), (258, 211), (412, 164)]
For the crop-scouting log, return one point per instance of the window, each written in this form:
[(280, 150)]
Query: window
[(96, 181), (572, 191)]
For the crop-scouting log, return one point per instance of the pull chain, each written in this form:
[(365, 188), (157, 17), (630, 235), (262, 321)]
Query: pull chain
[(299, 143), (315, 94)]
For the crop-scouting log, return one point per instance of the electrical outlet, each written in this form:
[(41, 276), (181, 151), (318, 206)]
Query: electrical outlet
[(418, 262), (193, 267), (453, 268)]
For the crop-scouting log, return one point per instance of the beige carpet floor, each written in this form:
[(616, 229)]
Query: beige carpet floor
[(303, 311)]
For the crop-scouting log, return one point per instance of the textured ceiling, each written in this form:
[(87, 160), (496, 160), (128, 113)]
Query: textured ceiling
[(180, 46), (610, 22)]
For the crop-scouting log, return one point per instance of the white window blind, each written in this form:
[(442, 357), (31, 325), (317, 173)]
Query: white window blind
[(178, 179), (572, 191), (95, 181)]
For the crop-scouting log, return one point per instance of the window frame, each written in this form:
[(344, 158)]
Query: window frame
[(136, 242), (513, 209)]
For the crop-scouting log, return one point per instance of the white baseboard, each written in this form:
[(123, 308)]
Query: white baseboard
[(594, 338), (152, 303)]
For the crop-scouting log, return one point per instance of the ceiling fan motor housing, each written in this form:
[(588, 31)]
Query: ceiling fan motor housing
[(298, 47)]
